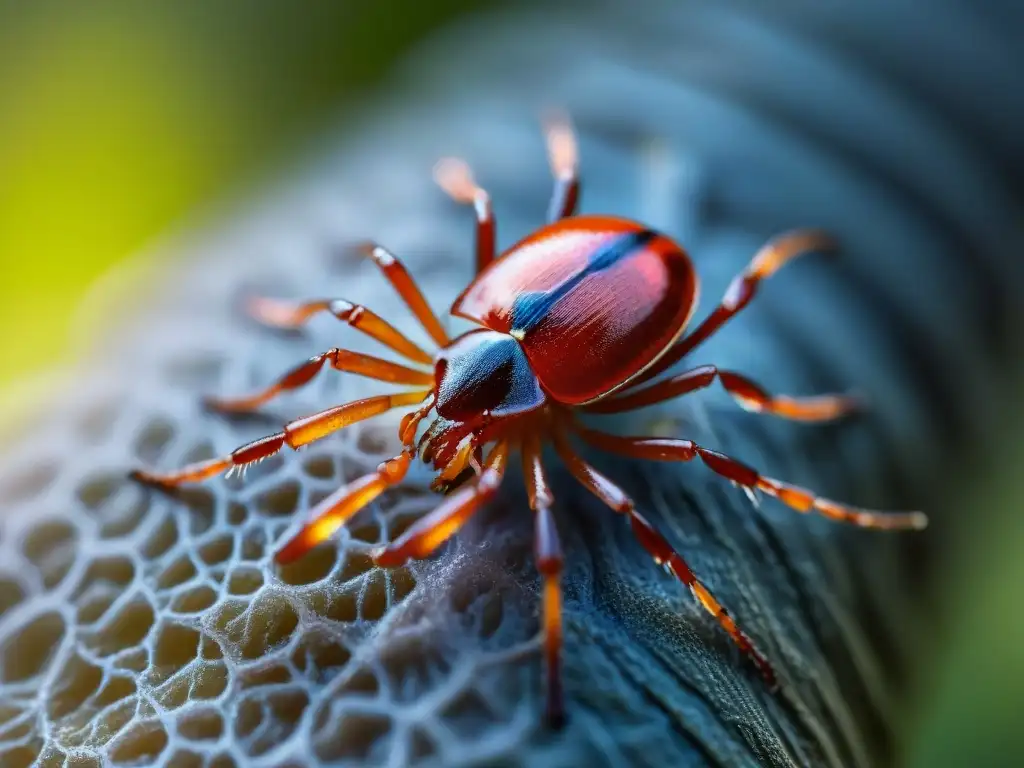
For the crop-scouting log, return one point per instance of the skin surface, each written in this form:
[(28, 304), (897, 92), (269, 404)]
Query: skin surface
[(428, 664), (568, 307)]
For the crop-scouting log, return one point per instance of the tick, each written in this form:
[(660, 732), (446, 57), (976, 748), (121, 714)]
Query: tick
[(582, 317)]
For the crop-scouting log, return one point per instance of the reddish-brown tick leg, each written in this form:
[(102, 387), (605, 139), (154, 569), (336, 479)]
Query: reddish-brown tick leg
[(548, 555), (454, 176), (279, 313), (396, 273), (765, 263), (431, 531), (800, 499), (747, 393), (563, 154), (338, 508), (295, 435), (339, 359), (411, 421), (659, 549)]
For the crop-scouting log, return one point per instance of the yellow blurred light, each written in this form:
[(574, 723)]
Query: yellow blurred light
[(107, 133)]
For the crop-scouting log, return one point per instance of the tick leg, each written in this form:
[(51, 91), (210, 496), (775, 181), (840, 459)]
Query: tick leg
[(339, 359), (772, 256), (746, 392), (454, 176), (659, 549), (424, 536), (396, 273), (295, 435), (800, 499), (411, 421), (548, 556), (563, 154), (338, 508), (278, 313)]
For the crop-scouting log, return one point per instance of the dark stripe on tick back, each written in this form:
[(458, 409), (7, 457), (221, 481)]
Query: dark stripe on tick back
[(531, 308)]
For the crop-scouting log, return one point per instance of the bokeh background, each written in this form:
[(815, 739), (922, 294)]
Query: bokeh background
[(119, 121)]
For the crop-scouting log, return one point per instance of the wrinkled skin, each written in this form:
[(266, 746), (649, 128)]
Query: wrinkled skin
[(331, 658)]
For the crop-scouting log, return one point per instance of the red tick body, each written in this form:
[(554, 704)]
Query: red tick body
[(593, 300), (575, 318)]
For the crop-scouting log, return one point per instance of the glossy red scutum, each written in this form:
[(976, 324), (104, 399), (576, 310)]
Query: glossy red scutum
[(592, 299)]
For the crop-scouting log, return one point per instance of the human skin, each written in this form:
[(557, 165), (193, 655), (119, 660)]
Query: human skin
[(332, 658)]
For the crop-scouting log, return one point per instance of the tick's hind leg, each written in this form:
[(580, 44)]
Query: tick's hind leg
[(340, 360), (749, 394), (454, 176), (766, 262), (294, 435), (800, 499), (660, 550), (563, 154)]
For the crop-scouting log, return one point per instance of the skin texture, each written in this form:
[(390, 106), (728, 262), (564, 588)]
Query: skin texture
[(577, 309), (432, 666)]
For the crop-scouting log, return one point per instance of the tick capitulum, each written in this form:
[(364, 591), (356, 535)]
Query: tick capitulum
[(581, 317)]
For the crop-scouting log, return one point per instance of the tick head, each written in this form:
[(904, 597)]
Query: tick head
[(484, 375)]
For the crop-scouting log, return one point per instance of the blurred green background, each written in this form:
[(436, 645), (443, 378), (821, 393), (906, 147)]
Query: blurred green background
[(117, 119)]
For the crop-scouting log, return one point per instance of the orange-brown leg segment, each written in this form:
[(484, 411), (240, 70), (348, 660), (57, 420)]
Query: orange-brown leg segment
[(747, 393), (454, 176), (548, 555), (289, 315), (563, 155), (411, 421), (294, 435), (659, 549), (424, 536), (338, 508), (339, 359), (800, 499), (765, 263), (396, 273)]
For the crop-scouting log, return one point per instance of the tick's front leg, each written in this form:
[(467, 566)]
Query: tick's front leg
[(294, 435), (338, 508), (290, 315), (342, 360), (428, 533)]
